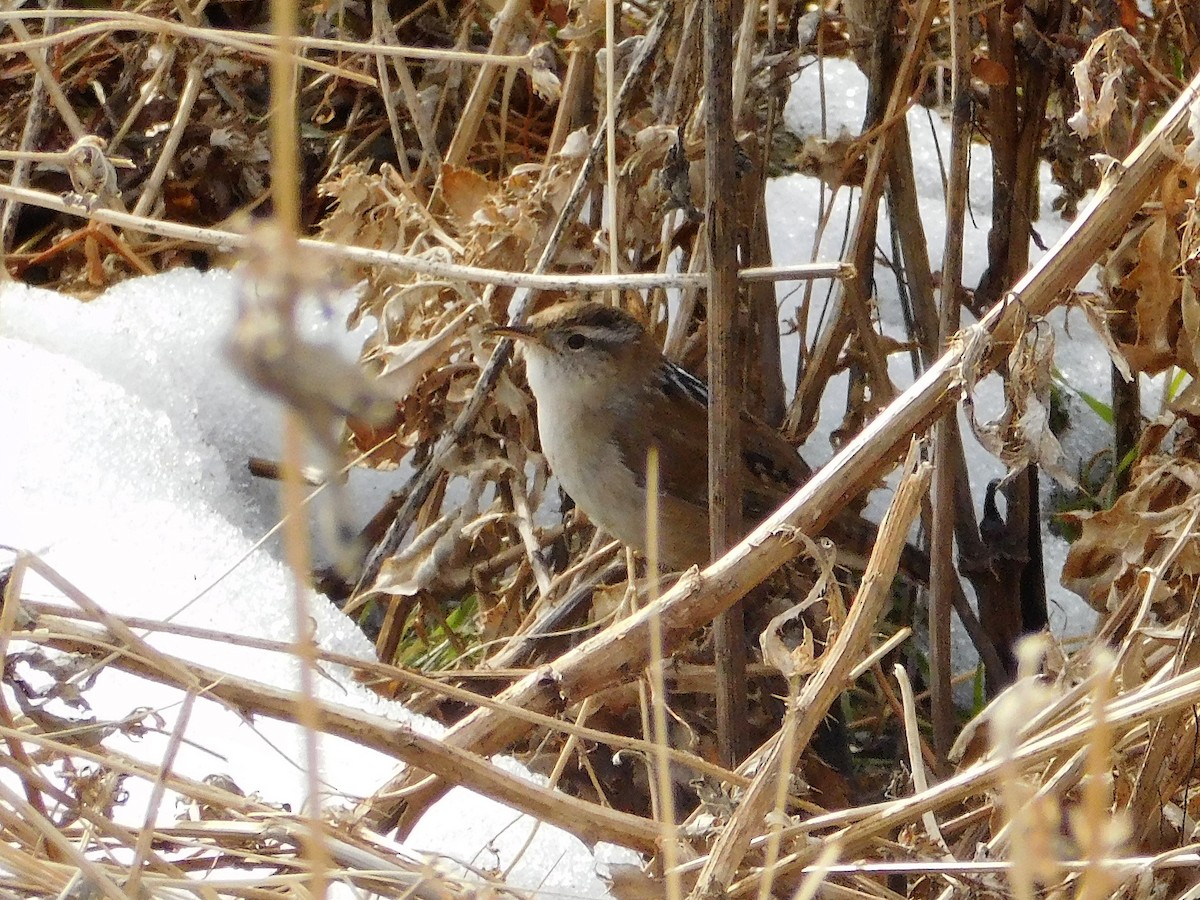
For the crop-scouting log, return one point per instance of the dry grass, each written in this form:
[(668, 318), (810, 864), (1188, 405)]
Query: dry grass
[(467, 164)]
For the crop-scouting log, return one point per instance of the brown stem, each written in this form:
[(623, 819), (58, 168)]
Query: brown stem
[(724, 452), (943, 580)]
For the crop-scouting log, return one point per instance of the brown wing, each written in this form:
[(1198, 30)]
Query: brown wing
[(677, 423), (677, 430), (773, 471), (772, 468)]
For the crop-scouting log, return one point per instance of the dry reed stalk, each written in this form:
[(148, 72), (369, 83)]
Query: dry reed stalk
[(1127, 715), (943, 580), (258, 45), (55, 620), (390, 738)]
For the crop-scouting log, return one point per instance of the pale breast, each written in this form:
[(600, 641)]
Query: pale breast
[(577, 432), (605, 489), (585, 460)]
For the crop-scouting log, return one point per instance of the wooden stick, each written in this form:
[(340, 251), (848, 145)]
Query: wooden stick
[(724, 449)]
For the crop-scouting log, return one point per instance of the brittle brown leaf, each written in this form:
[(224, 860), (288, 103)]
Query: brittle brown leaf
[(1156, 286), (1021, 435), (990, 72), (1140, 529), (408, 362), (465, 192)]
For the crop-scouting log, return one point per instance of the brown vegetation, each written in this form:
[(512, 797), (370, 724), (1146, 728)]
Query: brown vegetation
[(466, 164)]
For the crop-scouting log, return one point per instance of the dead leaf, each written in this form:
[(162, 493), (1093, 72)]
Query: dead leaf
[(1021, 435), (1096, 109), (990, 72), (787, 643), (1116, 545), (627, 882), (1178, 190), (1099, 318), (407, 363), (435, 561), (465, 192), (543, 74), (1156, 287)]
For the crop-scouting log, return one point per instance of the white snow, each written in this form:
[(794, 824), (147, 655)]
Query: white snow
[(124, 457), (794, 209)]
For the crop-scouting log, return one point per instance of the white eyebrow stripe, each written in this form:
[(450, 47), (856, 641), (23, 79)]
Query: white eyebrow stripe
[(604, 335)]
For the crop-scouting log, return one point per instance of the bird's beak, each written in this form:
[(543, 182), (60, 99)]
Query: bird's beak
[(516, 332)]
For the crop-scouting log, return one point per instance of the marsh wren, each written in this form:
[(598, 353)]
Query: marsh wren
[(606, 395)]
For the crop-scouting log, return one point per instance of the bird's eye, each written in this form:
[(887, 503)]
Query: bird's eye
[(576, 341)]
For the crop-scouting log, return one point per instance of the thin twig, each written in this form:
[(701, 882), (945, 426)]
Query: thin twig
[(30, 135), (852, 305), (187, 99), (419, 265), (381, 734)]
